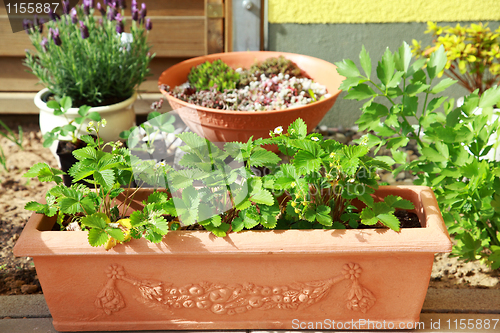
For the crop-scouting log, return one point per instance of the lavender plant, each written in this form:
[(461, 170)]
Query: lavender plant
[(88, 57)]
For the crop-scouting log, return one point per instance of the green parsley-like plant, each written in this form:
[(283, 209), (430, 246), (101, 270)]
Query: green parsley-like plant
[(403, 103), (322, 179), (88, 57)]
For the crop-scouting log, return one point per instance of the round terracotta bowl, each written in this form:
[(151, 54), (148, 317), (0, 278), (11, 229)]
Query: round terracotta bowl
[(226, 126)]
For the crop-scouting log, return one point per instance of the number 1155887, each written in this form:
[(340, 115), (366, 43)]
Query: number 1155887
[(30, 8)]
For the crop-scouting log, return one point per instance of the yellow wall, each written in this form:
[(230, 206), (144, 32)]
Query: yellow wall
[(382, 11)]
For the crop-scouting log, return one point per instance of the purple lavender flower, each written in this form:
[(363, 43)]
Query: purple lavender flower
[(149, 24), (37, 24), (55, 36), (27, 26), (40, 25), (111, 13), (134, 4), (105, 2), (121, 4), (86, 7), (135, 14), (143, 12), (53, 16), (119, 23), (102, 10), (74, 15), (65, 6), (84, 30), (44, 43)]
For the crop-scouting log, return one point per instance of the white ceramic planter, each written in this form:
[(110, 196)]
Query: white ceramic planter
[(120, 117)]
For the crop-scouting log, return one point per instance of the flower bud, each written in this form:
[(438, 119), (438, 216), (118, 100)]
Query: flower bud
[(44, 44), (102, 10), (53, 16), (119, 23), (143, 12), (149, 24), (65, 6), (86, 7), (27, 26), (135, 14), (84, 30), (55, 36), (74, 15), (40, 25), (111, 13)]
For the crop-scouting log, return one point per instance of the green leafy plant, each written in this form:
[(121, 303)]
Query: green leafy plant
[(323, 178), (61, 108), (472, 51), (452, 141), (221, 188), (210, 74), (90, 58), (12, 137), (94, 207), (222, 196)]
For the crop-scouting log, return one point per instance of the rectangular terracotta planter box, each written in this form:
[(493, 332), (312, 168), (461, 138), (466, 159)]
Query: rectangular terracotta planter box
[(249, 280)]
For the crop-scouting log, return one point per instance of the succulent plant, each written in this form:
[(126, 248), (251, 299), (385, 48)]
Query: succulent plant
[(271, 66), (213, 74)]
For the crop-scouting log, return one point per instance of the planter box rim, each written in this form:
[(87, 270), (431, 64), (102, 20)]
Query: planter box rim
[(431, 238)]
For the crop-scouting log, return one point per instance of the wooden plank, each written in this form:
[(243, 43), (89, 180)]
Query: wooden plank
[(215, 31), (170, 37), (14, 78)]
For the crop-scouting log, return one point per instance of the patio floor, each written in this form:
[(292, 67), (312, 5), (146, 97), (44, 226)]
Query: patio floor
[(444, 310)]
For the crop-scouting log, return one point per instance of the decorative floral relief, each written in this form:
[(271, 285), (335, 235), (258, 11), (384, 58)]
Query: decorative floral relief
[(230, 299)]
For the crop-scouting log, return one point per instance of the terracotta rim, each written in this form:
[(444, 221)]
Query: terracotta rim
[(433, 237)]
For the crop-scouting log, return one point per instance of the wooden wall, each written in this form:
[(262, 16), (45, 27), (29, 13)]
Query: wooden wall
[(181, 29)]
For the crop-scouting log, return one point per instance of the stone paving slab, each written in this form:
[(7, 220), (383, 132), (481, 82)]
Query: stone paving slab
[(429, 323), (444, 310), (29, 306)]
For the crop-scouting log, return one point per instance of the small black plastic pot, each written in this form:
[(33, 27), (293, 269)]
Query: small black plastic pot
[(65, 153)]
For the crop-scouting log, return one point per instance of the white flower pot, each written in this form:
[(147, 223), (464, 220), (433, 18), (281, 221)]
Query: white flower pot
[(119, 116)]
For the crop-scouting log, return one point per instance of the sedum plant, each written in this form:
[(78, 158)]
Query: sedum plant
[(403, 102), (213, 75), (472, 51), (89, 57)]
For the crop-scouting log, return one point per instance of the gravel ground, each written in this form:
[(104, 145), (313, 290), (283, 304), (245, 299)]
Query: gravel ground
[(18, 275)]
